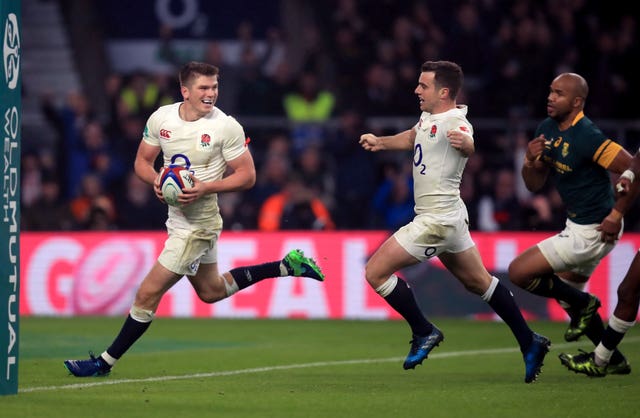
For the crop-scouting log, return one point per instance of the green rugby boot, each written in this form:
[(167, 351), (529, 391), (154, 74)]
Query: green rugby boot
[(581, 322), (584, 363), (300, 266)]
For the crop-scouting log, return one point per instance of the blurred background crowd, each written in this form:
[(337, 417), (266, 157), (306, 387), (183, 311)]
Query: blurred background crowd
[(306, 79)]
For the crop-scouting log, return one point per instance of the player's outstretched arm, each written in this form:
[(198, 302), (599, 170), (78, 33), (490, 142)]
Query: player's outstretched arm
[(400, 141)]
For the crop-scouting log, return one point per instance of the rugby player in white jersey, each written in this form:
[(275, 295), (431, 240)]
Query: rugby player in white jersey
[(215, 144), (441, 141)]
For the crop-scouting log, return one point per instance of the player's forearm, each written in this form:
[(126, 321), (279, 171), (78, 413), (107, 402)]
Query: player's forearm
[(534, 174), (239, 180), (625, 201), (400, 141), (145, 171)]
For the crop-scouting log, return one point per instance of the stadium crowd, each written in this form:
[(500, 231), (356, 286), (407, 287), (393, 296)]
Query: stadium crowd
[(358, 61)]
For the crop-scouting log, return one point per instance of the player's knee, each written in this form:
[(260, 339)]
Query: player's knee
[(210, 295), (147, 297), (374, 279)]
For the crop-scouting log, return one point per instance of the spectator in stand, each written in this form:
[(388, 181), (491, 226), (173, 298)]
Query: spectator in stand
[(239, 211), (49, 212), (112, 89), (137, 206), (501, 211), (308, 106), (100, 219), (404, 40), (353, 183), (522, 61), (466, 44), (91, 196), (125, 142), (68, 121), (315, 169), (254, 86), (263, 80), (295, 207), (280, 84), (275, 53), (141, 95), (95, 154), (309, 102), (540, 212), (380, 91), (315, 56), (348, 54), (273, 171), (393, 201), (31, 178)]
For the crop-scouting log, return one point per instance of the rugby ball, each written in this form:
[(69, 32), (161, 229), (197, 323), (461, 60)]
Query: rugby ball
[(174, 178)]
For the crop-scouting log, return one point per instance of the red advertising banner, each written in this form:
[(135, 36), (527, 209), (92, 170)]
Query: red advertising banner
[(97, 273)]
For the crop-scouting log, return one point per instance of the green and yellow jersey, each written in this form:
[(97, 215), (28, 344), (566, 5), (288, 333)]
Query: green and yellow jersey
[(579, 158)]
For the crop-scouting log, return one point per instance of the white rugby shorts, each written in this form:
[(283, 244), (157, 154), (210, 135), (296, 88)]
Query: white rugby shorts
[(430, 235), (184, 250), (578, 248)]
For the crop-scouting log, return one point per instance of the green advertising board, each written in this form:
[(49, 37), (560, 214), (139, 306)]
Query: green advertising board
[(10, 115)]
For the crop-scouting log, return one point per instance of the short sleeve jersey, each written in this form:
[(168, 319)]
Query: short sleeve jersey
[(437, 166), (578, 158), (209, 143)]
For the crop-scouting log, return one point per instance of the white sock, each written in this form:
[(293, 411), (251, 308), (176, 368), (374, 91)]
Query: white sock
[(387, 287), (492, 287), (110, 360), (618, 325), (283, 270), (230, 288), (602, 355)]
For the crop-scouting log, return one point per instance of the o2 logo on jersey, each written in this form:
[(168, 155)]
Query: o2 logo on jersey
[(417, 159)]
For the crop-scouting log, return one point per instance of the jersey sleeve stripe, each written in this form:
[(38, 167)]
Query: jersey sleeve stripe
[(606, 152)]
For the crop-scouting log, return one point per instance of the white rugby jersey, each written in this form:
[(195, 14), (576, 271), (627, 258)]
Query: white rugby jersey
[(208, 142), (437, 166)]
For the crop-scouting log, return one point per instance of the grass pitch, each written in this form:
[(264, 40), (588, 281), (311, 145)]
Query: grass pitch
[(307, 368)]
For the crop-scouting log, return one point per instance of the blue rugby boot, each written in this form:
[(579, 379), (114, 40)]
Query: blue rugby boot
[(534, 356), (300, 266), (421, 347), (94, 366)]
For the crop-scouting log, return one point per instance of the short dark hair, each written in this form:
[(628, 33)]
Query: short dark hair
[(192, 69), (447, 74)]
